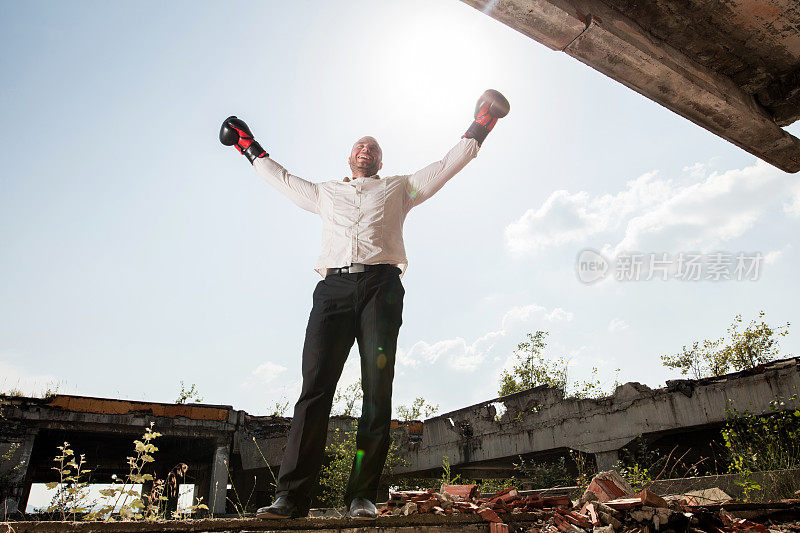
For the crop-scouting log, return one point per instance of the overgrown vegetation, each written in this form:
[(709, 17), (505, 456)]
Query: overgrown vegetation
[(239, 506), (191, 394), (542, 475), (49, 392), (72, 489), (279, 409), (739, 349), (763, 443), (347, 400), (533, 369), (419, 409), (7, 477), (123, 500), (341, 449)]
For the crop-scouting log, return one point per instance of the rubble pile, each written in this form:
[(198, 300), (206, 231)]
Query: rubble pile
[(609, 505)]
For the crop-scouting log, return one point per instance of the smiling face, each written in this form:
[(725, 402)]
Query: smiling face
[(365, 157)]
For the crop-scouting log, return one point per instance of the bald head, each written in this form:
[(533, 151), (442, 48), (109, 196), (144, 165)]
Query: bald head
[(366, 157)]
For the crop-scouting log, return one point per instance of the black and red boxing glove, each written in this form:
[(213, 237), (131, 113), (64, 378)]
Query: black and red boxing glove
[(234, 132), (491, 106)]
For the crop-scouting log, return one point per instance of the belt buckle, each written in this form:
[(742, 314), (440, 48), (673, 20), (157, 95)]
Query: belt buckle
[(355, 268)]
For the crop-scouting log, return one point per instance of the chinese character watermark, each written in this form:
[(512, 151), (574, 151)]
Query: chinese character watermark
[(592, 266)]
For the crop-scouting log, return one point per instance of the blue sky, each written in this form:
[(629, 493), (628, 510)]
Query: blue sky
[(137, 252)]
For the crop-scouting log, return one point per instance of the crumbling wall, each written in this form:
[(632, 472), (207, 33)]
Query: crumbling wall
[(540, 420)]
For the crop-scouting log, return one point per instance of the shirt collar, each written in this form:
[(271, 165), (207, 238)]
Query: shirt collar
[(373, 177)]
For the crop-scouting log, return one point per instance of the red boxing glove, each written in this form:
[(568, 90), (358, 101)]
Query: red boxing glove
[(491, 106)]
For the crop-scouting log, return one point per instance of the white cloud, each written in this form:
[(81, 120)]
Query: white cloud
[(704, 214), (702, 211), (265, 373), (792, 207), (775, 255), (460, 355), (566, 218), (526, 313), (617, 324), (559, 314)]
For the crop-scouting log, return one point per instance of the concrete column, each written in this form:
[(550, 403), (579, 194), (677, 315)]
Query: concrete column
[(219, 479), (17, 470), (606, 460)]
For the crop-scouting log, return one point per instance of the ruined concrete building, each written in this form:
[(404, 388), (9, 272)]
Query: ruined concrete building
[(216, 441), (730, 66)]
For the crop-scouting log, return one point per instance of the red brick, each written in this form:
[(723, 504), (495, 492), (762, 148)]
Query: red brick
[(489, 515), (556, 501), (467, 492), (652, 499)]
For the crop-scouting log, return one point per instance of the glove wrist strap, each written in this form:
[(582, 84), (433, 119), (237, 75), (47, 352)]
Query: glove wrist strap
[(254, 151), (478, 132)]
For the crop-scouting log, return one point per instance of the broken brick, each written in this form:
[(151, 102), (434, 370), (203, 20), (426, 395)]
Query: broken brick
[(557, 501), (489, 515), (624, 503), (591, 511), (564, 526), (427, 505), (498, 527), (468, 492), (575, 518), (465, 507), (607, 486), (652, 499)]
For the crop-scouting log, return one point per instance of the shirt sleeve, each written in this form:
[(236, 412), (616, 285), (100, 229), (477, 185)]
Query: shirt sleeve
[(426, 182), (304, 193)]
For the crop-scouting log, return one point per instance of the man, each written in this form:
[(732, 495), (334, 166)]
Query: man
[(360, 298)]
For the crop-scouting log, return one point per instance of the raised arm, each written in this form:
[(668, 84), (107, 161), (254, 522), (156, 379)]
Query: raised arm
[(303, 193), (234, 132), (425, 183)]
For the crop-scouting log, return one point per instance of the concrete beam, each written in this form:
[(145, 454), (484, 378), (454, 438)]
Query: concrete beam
[(54, 415), (615, 45), (541, 420)]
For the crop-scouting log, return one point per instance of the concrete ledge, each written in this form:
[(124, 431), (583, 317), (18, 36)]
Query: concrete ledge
[(388, 524)]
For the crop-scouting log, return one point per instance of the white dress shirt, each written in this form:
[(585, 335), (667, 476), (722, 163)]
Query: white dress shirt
[(362, 218)]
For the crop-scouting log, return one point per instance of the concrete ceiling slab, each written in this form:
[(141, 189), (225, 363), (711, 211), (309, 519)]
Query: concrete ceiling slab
[(730, 66)]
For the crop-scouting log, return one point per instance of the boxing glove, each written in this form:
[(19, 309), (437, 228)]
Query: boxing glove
[(234, 132), (491, 106)]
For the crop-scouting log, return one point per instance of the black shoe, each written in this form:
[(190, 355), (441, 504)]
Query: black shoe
[(363, 509), (282, 507)]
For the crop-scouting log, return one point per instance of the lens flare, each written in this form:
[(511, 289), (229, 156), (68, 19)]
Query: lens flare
[(359, 458)]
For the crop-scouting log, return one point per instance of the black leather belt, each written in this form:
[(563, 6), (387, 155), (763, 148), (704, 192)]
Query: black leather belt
[(356, 268)]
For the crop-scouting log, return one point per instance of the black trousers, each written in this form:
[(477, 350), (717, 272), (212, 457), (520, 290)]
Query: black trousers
[(367, 307)]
